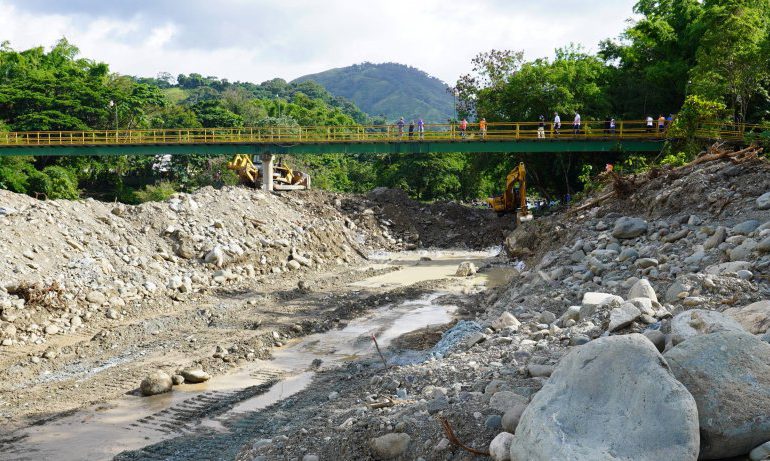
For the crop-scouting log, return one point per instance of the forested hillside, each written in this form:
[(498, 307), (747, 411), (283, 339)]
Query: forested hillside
[(390, 90)]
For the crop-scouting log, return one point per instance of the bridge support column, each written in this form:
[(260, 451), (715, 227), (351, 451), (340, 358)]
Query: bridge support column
[(267, 172)]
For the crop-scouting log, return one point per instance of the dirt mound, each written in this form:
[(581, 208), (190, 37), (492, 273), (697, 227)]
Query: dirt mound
[(438, 225)]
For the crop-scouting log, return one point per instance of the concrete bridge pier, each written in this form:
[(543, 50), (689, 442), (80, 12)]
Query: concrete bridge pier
[(267, 172)]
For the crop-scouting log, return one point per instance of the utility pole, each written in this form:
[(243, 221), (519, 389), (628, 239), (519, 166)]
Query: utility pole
[(112, 104), (453, 90)]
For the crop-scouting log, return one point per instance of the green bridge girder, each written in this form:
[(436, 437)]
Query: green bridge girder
[(351, 147)]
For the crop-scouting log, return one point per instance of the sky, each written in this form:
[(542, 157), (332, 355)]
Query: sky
[(257, 40)]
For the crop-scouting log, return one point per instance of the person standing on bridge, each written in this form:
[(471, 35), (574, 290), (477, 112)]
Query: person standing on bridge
[(556, 123), (400, 125), (612, 126), (463, 127), (661, 123), (541, 127), (411, 129), (650, 123), (576, 123), (421, 128), (483, 128)]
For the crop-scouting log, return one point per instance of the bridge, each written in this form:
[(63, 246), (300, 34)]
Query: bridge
[(509, 137)]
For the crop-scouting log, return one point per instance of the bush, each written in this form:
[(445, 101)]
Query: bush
[(63, 183), (156, 193), (675, 160)]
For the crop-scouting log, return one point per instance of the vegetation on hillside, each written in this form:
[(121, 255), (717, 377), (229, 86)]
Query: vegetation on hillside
[(389, 90), (700, 59)]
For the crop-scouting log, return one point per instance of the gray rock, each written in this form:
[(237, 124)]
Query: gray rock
[(539, 371), (623, 316), (628, 254), (177, 380), (743, 251), (112, 314), (698, 322), (644, 263), (579, 340), (592, 301), (493, 422), (438, 404), (745, 228), (764, 246), (96, 297), (728, 268), (390, 446), (760, 453), (512, 417), (642, 289), (503, 401), (311, 458), (594, 404), (506, 320), (763, 201), (716, 239), (500, 447), (466, 269), (216, 256), (547, 317), (754, 318), (195, 375), (657, 338), (728, 374), (155, 383), (627, 228)]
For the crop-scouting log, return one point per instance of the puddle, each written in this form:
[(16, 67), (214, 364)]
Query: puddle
[(131, 423)]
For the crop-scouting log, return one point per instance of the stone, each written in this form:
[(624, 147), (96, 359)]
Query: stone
[(728, 268), (579, 340), (716, 239), (754, 318), (512, 417), (155, 383), (493, 422), (466, 269), (592, 301), (745, 228), (760, 453), (613, 398), (195, 375), (728, 374), (644, 305), (628, 254), (547, 317), (311, 458), (506, 320), (743, 251), (438, 404), (294, 264), (177, 380), (642, 289), (502, 401), (539, 371), (698, 322), (764, 246), (500, 447), (623, 316), (112, 314), (763, 201), (390, 446), (51, 330), (645, 263), (216, 256), (744, 274), (96, 297), (657, 338), (76, 321), (677, 291), (628, 228)]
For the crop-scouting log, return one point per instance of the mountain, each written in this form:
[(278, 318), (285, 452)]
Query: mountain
[(391, 90)]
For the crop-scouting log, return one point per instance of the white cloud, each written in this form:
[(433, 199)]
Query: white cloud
[(261, 39)]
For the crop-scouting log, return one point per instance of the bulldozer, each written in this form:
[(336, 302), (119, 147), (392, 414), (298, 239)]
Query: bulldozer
[(284, 178), (514, 198)]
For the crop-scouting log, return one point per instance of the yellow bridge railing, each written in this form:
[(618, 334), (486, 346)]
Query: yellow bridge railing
[(630, 130)]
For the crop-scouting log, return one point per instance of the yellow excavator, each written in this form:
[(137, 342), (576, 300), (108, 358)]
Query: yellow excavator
[(514, 198), (284, 178)]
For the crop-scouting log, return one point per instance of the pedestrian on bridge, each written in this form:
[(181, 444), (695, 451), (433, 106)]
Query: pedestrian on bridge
[(576, 123), (400, 125), (650, 123), (556, 123), (612, 126), (421, 128), (541, 127), (411, 130), (483, 128), (661, 123), (463, 127)]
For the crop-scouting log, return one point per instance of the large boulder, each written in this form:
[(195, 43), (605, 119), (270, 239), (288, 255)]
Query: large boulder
[(628, 228), (763, 201), (195, 375), (728, 373), (613, 398), (466, 269), (697, 322), (755, 318), (155, 383)]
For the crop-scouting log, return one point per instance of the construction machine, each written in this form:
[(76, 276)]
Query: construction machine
[(514, 198), (284, 178)]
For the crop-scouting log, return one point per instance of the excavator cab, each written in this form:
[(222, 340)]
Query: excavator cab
[(514, 198)]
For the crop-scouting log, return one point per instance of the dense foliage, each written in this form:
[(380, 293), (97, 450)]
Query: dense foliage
[(703, 60), (389, 90)]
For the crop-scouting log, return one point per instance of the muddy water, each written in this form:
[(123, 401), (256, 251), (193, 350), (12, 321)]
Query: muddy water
[(133, 422)]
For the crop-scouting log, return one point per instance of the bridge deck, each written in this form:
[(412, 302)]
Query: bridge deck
[(499, 137)]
